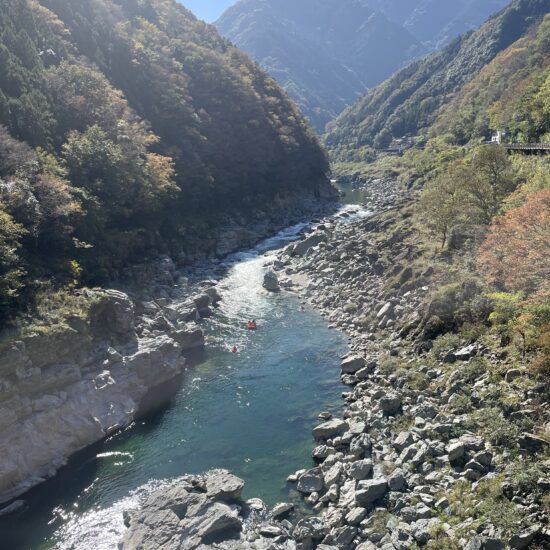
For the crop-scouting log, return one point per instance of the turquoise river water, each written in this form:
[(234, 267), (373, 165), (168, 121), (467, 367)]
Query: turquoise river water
[(251, 412)]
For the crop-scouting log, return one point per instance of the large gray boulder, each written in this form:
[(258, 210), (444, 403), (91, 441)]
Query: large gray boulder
[(112, 315), (184, 516), (222, 485), (390, 404), (301, 248), (189, 337), (311, 481), (369, 491), (352, 364), (361, 469), (271, 282), (330, 429)]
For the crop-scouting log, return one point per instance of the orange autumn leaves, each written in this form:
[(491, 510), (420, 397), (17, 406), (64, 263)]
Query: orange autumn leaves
[(516, 251)]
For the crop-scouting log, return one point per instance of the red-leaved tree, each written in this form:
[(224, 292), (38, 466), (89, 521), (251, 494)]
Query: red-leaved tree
[(516, 251)]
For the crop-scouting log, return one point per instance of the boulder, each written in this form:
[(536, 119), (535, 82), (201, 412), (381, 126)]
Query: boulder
[(311, 481), (330, 429), (222, 485), (309, 529), (524, 538), (386, 309), (202, 301), (271, 282), (485, 543), (361, 446), (369, 491), (403, 440), (281, 510), (189, 337), (183, 516), (322, 451), (270, 531), (361, 469), (218, 521), (397, 481), (455, 451), (390, 404), (356, 515), (112, 315), (512, 374), (301, 248), (352, 364), (466, 353), (532, 442), (213, 294)]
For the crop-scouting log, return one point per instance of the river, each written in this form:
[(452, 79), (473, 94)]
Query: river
[(251, 412)]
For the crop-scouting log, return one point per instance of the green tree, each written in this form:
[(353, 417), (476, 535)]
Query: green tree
[(11, 271), (442, 203), (489, 179)]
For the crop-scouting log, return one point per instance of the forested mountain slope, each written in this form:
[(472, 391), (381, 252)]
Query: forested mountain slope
[(437, 22), (409, 102), (510, 94), (121, 122), (323, 53)]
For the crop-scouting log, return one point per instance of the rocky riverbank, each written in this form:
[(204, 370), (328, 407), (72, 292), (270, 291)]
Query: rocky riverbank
[(78, 381), (98, 359), (442, 441)]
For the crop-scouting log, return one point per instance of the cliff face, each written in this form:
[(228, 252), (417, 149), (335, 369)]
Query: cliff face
[(71, 386)]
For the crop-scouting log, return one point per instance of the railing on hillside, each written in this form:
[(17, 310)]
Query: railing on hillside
[(528, 147)]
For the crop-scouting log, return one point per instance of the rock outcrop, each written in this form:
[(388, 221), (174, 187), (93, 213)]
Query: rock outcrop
[(198, 512), (67, 386)]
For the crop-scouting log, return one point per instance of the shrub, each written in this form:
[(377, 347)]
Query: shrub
[(444, 344), (524, 475), (497, 429)]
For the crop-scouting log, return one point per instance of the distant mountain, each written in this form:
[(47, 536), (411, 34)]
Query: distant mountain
[(325, 53), (436, 22), (409, 102)]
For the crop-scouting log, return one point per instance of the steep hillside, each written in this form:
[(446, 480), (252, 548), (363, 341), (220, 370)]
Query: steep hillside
[(509, 94), (122, 122), (436, 22), (323, 53), (409, 102)]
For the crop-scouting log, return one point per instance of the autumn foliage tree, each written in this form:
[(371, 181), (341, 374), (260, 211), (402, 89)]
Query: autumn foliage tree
[(516, 251)]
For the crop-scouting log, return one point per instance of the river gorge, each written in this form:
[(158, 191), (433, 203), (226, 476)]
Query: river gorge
[(251, 412)]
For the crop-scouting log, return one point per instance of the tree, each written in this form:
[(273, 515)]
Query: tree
[(516, 251), (442, 203), (11, 271), (489, 180)]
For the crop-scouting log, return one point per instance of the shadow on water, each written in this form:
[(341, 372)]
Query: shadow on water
[(251, 412)]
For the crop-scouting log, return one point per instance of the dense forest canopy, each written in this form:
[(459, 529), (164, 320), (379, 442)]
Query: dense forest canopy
[(122, 121)]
